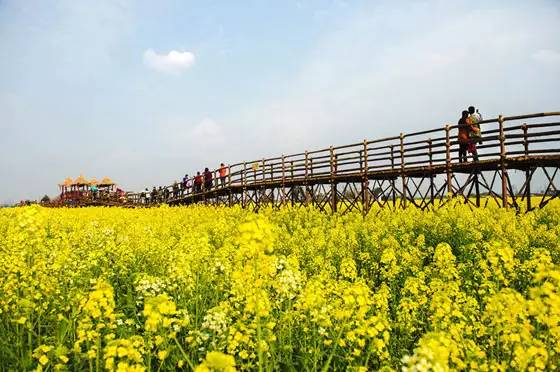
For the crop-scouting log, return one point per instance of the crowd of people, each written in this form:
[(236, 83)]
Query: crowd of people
[(201, 182), (469, 134)]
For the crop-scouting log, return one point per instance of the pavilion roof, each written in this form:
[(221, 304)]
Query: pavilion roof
[(106, 181), (81, 180), (67, 182)]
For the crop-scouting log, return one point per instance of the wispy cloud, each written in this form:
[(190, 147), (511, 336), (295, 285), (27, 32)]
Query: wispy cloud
[(173, 62)]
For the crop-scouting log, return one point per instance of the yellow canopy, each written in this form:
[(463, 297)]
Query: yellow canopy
[(93, 181), (81, 180), (106, 181), (67, 182)]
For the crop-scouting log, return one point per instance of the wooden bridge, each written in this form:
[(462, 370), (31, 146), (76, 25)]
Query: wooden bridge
[(518, 163)]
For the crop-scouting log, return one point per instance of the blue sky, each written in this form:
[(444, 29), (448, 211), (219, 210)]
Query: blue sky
[(90, 87)]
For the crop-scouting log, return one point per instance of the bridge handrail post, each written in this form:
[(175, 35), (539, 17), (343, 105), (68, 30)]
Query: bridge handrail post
[(262, 192), (229, 193), (229, 176), (525, 128), (283, 194), (305, 177), (448, 160), (332, 179), (244, 185), (365, 181), (430, 160), (527, 170), (503, 161), (394, 197), (306, 160), (292, 179), (403, 180)]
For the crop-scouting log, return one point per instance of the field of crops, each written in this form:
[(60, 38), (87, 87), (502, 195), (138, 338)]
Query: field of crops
[(225, 289)]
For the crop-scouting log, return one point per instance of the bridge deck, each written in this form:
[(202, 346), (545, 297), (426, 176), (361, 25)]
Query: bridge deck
[(518, 163), (404, 161)]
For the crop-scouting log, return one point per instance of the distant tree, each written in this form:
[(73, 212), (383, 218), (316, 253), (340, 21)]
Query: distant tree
[(45, 199)]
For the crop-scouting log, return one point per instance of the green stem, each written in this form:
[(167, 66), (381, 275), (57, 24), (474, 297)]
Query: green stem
[(326, 367), (98, 352), (184, 354)]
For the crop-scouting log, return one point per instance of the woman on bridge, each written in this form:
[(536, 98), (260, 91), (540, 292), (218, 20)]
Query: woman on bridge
[(198, 182), (207, 179), (463, 136)]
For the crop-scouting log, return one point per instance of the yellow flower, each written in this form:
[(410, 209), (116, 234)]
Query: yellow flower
[(43, 359), (216, 361), (162, 354)]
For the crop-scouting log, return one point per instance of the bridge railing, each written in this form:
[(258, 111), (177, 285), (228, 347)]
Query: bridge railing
[(502, 137)]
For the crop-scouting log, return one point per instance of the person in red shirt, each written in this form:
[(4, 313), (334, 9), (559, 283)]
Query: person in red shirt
[(198, 182), (223, 174), (207, 179)]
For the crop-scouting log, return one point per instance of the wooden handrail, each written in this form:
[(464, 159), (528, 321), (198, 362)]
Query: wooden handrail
[(402, 152)]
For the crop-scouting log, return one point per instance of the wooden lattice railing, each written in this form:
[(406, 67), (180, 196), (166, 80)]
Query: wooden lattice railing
[(507, 142)]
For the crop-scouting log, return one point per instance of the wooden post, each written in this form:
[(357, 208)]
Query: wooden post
[(403, 177), (292, 179), (272, 186), (365, 180), (503, 162), (477, 187), (430, 156), (448, 160), (244, 186), (528, 170), (305, 182), (333, 183), (262, 190), (392, 177), (310, 184), (283, 191), (230, 197)]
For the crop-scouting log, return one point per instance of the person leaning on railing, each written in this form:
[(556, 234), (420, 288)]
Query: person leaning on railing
[(223, 174), (474, 131), (463, 136)]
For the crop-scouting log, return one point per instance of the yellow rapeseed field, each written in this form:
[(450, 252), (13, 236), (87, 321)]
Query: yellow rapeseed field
[(225, 289)]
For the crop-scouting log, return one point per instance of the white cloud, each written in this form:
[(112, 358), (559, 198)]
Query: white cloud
[(547, 56), (173, 62)]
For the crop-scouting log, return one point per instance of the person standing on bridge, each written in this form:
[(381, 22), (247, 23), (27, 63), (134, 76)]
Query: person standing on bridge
[(166, 194), (207, 180), (463, 137), (473, 120), (198, 182), (223, 174), (185, 185), (153, 196)]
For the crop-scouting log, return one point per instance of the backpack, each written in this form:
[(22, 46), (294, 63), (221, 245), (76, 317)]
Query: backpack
[(474, 127)]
